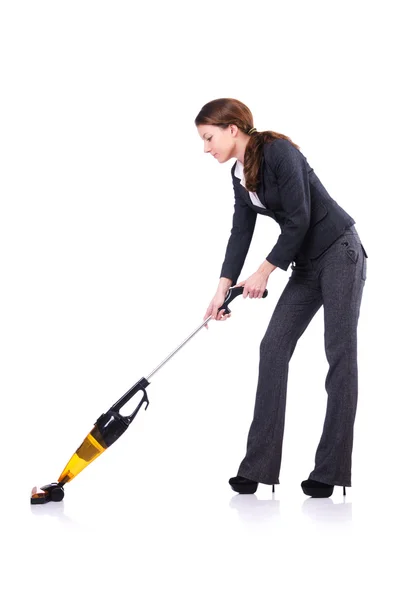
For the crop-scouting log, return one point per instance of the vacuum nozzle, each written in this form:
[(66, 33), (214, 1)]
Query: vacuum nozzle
[(52, 492)]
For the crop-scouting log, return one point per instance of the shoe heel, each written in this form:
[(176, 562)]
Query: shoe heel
[(344, 491), (273, 489)]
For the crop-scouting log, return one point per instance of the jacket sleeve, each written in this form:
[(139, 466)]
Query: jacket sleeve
[(290, 168), (244, 219)]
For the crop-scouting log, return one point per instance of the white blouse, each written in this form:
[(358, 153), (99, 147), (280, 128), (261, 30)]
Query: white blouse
[(239, 172)]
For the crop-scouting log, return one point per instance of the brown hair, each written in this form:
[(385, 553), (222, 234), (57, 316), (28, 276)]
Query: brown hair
[(223, 112)]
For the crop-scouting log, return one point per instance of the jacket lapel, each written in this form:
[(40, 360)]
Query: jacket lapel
[(261, 185), (260, 191)]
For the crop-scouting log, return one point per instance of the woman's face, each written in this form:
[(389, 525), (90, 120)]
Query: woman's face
[(219, 142)]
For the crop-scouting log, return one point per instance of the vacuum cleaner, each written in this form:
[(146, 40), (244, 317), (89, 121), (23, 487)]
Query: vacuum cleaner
[(111, 424)]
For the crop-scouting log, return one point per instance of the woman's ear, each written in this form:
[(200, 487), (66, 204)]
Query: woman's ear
[(233, 129)]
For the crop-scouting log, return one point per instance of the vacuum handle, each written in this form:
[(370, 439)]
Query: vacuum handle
[(232, 294), (139, 386), (132, 416)]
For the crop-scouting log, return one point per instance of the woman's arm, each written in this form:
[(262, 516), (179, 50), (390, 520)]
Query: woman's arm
[(244, 219), (290, 168), (266, 267)]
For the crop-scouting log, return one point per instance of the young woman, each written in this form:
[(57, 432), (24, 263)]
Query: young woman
[(329, 264)]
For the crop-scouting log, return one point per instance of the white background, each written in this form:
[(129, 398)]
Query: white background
[(114, 225)]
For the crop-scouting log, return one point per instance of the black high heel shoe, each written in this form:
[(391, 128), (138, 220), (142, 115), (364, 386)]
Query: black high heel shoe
[(242, 485), (317, 489)]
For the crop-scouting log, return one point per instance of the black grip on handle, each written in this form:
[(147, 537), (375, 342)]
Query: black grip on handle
[(232, 294)]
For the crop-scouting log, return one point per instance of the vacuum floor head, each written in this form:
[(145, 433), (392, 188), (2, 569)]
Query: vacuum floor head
[(52, 492)]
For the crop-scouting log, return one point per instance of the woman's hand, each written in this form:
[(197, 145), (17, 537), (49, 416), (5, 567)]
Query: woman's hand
[(214, 305), (254, 286)]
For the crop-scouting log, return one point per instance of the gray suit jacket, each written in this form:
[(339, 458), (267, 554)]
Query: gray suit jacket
[(310, 220)]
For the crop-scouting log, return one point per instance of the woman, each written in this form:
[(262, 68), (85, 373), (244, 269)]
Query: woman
[(318, 238)]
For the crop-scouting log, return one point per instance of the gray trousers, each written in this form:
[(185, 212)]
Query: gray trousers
[(335, 280)]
